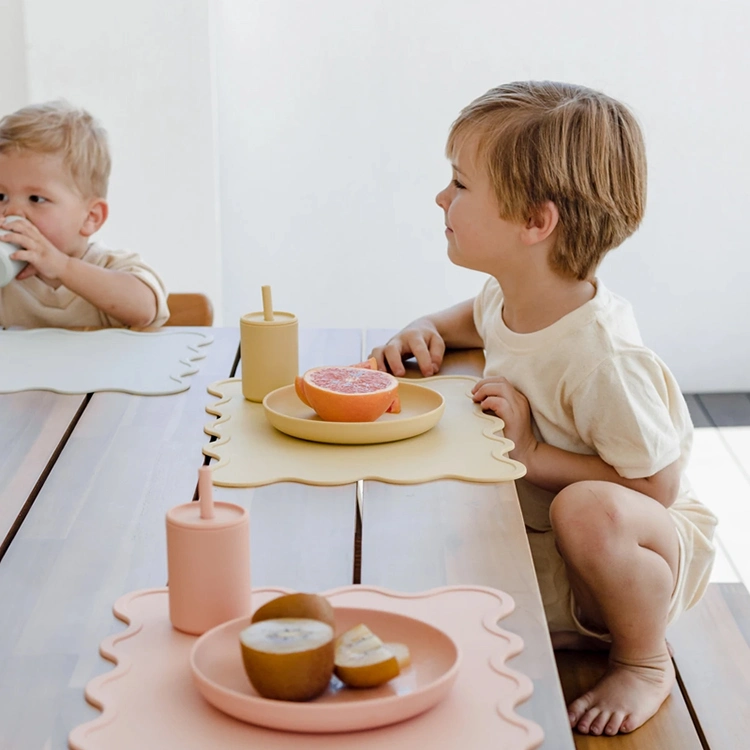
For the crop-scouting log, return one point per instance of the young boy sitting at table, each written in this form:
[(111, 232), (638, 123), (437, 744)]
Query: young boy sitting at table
[(54, 170), (547, 178)]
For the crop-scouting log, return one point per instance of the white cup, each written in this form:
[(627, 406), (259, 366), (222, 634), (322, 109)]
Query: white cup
[(9, 268)]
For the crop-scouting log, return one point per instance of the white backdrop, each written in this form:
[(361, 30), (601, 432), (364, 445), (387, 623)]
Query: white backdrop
[(321, 128), (332, 122), (145, 69)]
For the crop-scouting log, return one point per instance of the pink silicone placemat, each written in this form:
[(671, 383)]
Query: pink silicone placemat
[(149, 700)]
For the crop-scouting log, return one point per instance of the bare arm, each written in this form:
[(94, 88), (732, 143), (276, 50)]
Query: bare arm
[(455, 325), (118, 294), (553, 469), (427, 339)]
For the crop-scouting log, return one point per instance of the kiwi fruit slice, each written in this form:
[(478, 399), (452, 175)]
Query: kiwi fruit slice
[(361, 660), (308, 606), (402, 654), (288, 658)]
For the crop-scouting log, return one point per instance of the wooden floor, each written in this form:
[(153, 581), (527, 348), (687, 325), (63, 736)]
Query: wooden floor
[(719, 470)]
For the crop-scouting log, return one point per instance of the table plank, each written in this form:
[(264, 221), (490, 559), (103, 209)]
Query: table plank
[(34, 426), (417, 537), (302, 536), (95, 531)]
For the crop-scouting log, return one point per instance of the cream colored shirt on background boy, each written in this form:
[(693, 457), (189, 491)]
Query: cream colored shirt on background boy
[(570, 373), (33, 304)]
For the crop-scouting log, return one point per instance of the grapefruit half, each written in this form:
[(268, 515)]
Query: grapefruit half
[(348, 394)]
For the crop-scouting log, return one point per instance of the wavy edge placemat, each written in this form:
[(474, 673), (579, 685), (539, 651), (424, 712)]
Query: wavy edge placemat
[(261, 455), (193, 351), (92, 735)]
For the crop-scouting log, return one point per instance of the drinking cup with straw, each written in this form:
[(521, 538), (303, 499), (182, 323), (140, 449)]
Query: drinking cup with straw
[(269, 349), (208, 561)]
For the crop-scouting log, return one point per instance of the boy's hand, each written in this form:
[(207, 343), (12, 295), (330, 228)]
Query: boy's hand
[(420, 340), (43, 257), (502, 399)]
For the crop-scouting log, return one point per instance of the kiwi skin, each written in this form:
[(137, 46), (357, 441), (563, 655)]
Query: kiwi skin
[(295, 676), (307, 606)]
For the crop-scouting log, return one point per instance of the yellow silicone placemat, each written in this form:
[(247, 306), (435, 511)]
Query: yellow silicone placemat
[(463, 445)]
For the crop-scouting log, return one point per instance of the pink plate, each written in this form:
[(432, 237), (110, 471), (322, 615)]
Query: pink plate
[(216, 663)]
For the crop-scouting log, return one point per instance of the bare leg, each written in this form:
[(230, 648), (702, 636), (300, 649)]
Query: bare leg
[(621, 553), (571, 640)]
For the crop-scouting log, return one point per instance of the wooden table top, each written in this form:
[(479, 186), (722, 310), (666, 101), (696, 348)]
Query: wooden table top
[(87, 481)]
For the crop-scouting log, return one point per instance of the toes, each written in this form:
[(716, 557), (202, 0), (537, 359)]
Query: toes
[(584, 725), (578, 708), (615, 722), (598, 724), (630, 724)]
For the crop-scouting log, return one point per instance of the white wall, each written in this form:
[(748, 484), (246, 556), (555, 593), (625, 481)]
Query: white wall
[(145, 70), (333, 117), (13, 89), (332, 122)]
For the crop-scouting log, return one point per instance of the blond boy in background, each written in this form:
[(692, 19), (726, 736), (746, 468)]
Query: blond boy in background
[(547, 178), (54, 172)]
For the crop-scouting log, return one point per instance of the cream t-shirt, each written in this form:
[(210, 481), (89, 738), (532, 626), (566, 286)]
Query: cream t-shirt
[(33, 304), (593, 388)]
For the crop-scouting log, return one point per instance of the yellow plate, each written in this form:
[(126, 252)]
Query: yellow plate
[(421, 409)]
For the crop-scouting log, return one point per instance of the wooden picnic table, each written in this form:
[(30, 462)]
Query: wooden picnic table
[(86, 483)]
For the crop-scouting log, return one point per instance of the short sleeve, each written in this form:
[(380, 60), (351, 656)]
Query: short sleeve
[(132, 263), (488, 298), (622, 411)]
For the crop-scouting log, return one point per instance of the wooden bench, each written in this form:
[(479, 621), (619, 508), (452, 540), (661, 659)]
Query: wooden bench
[(709, 707)]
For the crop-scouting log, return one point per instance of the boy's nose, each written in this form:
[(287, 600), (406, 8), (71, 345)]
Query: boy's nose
[(11, 209), (442, 198)]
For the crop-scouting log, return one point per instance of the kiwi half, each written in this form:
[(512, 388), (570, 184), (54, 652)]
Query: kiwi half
[(288, 658), (309, 606)]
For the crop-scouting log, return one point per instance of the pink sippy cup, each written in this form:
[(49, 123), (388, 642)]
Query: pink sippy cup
[(208, 561)]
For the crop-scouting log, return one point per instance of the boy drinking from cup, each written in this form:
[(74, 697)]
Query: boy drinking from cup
[(54, 170)]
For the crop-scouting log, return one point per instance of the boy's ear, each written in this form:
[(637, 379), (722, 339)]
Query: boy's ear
[(97, 215), (542, 222)]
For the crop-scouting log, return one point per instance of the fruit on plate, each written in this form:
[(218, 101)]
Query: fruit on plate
[(307, 606), (361, 660), (402, 654), (288, 658), (348, 394)]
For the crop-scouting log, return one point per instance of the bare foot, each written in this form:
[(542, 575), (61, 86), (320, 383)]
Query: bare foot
[(628, 695)]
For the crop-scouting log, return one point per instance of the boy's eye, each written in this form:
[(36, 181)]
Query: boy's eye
[(458, 185), (37, 199), (2, 197)]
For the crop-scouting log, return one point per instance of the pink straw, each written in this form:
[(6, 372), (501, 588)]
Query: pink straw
[(205, 492)]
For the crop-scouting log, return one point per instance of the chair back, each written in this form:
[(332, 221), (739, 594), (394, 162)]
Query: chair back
[(189, 309)]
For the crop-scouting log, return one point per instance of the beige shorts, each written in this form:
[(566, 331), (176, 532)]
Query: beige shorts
[(695, 529)]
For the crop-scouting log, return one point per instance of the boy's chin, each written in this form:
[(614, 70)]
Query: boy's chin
[(457, 260)]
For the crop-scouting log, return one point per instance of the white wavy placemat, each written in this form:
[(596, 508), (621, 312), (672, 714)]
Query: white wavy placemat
[(112, 359)]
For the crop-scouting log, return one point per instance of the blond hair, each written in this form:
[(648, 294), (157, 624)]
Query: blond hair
[(58, 128), (582, 150)]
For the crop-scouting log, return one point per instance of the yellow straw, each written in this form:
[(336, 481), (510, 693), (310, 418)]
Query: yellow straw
[(267, 304)]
